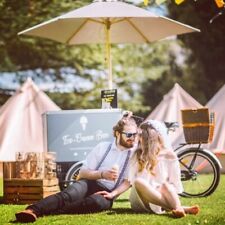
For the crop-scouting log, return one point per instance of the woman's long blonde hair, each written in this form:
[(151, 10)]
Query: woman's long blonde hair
[(150, 145)]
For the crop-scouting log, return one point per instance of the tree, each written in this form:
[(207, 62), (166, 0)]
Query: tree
[(23, 53), (206, 63), (44, 58), (201, 72), (141, 73), (47, 58)]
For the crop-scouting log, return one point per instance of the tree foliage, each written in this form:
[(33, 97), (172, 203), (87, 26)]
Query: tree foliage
[(141, 73), (23, 53), (131, 63), (46, 58), (138, 67), (201, 73), (206, 63)]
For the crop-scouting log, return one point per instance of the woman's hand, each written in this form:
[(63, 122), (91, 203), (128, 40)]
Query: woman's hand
[(105, 194)]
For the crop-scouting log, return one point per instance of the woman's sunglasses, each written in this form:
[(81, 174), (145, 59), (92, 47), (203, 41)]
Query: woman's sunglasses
[(128, 135)]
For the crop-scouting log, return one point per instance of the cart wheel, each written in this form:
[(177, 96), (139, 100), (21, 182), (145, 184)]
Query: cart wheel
[(72, 174)]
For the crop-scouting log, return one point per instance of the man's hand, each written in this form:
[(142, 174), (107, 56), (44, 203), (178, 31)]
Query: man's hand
[(105, 194), (111, 174)]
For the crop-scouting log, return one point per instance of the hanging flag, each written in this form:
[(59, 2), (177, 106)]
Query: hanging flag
[(178, 2), (158, 2), (220, 3), (146, 2)]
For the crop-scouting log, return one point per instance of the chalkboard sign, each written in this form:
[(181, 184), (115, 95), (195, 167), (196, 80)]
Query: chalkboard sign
[(72, 134), (109, 98)]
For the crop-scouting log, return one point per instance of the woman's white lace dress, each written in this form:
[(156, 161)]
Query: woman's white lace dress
[(166, 170)]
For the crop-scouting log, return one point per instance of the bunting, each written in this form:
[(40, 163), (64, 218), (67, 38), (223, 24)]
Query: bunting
[(158, 2), (219, 3), (145, 2), (178, 2)]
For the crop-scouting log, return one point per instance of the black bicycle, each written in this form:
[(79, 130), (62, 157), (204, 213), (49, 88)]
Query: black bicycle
[(200, 168)]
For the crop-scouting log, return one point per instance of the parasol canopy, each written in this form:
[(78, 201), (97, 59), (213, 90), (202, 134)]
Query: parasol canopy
[(108, 22)]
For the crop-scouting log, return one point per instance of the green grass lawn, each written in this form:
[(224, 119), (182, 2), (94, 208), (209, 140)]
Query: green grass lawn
[(212, 213)]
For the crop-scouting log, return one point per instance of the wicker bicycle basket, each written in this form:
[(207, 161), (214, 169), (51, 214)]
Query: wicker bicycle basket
[(198, 125)]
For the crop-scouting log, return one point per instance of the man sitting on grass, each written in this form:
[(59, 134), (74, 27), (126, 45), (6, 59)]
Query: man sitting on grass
[(100, 181)]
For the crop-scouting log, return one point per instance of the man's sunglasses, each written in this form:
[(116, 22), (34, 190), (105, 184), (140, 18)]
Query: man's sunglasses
[(128, 135)]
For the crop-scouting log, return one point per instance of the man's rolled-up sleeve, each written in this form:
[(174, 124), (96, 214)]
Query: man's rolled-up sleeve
[(93, 158)]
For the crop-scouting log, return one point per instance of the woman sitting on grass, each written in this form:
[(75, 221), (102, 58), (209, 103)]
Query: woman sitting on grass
[(155, 174)]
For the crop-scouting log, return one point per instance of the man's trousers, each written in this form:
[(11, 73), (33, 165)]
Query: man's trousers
[(77, 198)]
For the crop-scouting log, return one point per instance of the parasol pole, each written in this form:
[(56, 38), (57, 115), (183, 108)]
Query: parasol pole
[(108, 53)]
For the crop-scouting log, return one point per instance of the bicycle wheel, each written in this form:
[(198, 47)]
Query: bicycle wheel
[(72, 174), (200, 173)]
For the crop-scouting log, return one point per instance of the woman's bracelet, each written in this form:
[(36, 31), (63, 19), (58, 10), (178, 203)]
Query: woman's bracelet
[(102, 175)]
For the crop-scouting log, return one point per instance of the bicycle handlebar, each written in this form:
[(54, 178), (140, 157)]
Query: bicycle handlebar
[(171, 126)]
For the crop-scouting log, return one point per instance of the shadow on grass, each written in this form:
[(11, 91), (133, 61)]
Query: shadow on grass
[(122, 200), (120, 211), (131, 212), (112, 212), (14, 222)]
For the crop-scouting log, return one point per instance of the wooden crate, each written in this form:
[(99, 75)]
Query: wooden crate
[(25, 191), (9, 170)]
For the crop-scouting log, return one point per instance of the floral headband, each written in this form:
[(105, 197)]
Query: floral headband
[(161, 129)]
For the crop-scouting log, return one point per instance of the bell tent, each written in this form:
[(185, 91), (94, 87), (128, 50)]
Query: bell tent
[(169, 110), (21, 121)]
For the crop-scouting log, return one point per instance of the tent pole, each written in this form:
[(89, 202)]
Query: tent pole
[(108, 56)]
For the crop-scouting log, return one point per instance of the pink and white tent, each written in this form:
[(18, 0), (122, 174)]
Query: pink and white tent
[(169, 110), (216, 105), (21, 121)]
